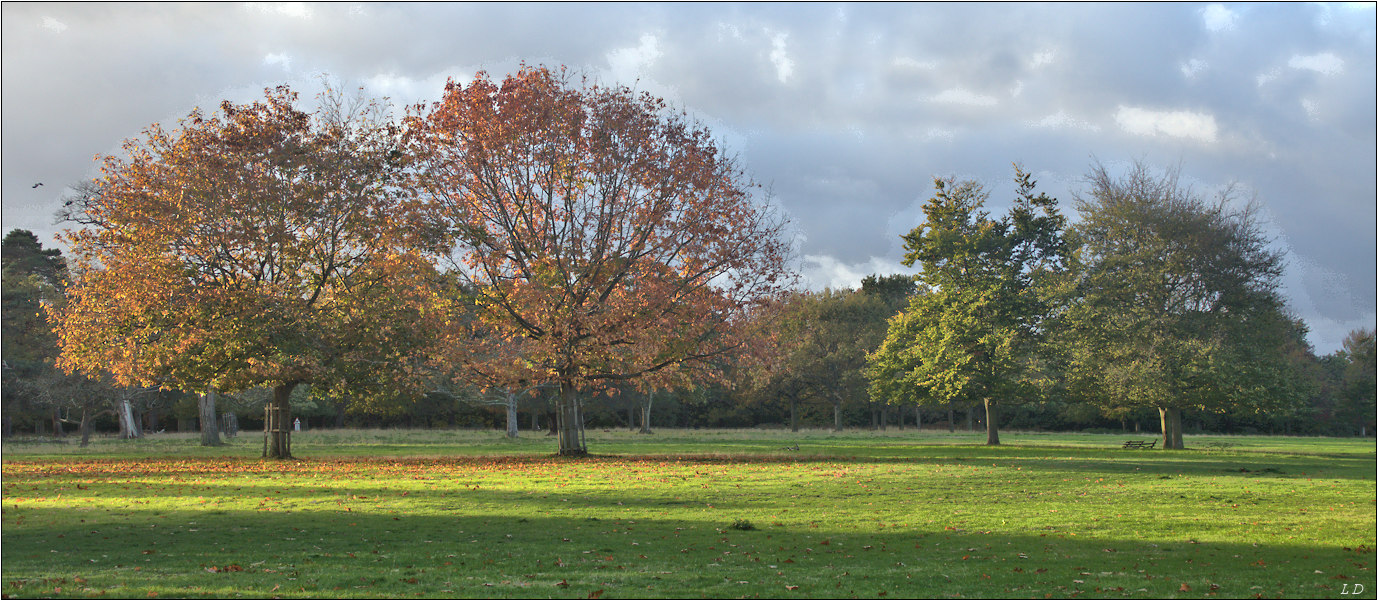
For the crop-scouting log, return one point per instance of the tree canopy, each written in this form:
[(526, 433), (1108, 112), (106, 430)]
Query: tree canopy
[(1176, 300), (261, 245), (606, 238), (973, 333)]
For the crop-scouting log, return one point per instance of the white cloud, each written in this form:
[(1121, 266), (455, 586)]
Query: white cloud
[(1042, 59), (408, 89), (824, 271), (298, 10), (912, 64), (1218, 18), (1193, 67), (627, 63), (938, 133), (280, 59), (1017, 89), (1177, 124), (1311, 107), (1264, 78), (54, 25), (1325, 63), (963, 96), (1062, 120), (784, 65)]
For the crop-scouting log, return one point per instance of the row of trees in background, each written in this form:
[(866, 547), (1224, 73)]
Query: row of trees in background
[(578, 254), (537, 232)]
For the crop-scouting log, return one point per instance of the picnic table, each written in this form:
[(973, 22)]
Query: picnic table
[(1140, 444)]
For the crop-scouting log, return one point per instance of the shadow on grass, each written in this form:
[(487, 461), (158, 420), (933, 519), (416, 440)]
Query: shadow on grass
[(59, 552)]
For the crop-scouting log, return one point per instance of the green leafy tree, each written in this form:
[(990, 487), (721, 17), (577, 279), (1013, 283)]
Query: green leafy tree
[(1176, 301), (975, 332), (1355, 409), (33, 277)]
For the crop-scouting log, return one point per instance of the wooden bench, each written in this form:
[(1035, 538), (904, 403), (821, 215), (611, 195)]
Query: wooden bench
[(1140, 444)]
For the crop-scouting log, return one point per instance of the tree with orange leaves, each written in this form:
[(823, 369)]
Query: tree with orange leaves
[(607, 239), (261, 245)]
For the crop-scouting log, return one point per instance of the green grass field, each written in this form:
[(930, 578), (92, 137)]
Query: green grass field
[(721, 514)]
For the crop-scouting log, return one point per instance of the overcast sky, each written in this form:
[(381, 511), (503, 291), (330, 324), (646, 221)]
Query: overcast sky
[(847, 112)]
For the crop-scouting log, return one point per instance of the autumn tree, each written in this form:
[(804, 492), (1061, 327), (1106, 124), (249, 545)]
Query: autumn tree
[(607, 239), (260, 245), (975, 332), (1176, 301)]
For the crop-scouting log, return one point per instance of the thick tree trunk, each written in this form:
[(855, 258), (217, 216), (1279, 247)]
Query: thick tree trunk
[(210, 430), (1176, 415), (992, 431), (511, 415), (1171, 420), (277, 423), (571, 422), (57, 423), (129, 427)]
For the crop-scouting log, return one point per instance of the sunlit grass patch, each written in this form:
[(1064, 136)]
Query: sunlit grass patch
[(844, 516)]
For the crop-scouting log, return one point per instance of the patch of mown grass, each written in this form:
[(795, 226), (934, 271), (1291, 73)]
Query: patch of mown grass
[(845, 516)]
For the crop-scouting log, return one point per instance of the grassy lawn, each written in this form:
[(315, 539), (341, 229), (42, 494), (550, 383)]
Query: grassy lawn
[(720, 514)]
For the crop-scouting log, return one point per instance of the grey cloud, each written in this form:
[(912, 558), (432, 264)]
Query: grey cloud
[(849, 142)]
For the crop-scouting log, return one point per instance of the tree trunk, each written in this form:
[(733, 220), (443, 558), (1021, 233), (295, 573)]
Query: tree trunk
[(1176, 415), (277, 423), (129, 427), (535, 421), (951, 419), (1171, 420), (511, 415), (571, 422), (884, 411), (57, 423), (646, 414), (837, 416), (210, 430), (918, 418), (9, 426), (85, 428), (793, 414), (992, 431), (970, 411)]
